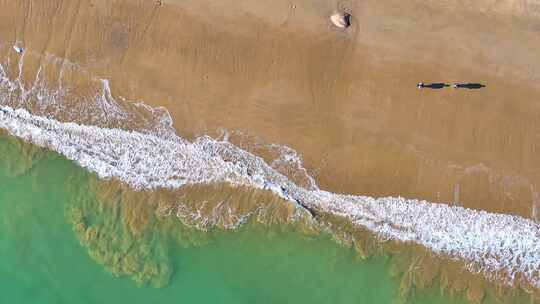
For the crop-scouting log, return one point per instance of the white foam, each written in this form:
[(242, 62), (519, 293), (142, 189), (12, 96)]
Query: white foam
[(96, 107), (499, 245), (282, 158)]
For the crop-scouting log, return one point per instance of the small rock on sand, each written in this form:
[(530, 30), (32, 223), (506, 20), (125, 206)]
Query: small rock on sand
[(341, 20)]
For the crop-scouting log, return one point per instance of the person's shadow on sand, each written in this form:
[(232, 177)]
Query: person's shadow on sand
[(469, 85)]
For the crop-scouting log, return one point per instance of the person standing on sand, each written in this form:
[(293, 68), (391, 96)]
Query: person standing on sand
[(435, 85)]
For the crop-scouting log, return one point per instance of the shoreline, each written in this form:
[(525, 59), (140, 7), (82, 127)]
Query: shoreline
[(487, 243), (345, 100)]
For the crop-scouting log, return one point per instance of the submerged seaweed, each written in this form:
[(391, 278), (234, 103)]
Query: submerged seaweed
[(130, 232)]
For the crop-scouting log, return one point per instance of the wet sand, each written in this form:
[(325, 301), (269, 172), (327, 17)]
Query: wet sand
[(344, 99)]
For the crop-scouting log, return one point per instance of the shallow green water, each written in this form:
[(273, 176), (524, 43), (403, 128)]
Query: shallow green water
[(43, 262)]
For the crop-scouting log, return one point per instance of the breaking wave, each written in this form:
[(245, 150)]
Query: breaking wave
[(503, 247)]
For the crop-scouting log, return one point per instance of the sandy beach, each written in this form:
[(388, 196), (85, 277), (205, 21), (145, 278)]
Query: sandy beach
[(345, 99)]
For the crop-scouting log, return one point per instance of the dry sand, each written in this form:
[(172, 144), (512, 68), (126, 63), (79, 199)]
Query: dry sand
[(346, 99)]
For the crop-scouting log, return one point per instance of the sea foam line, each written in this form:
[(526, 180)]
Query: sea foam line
[(499, 245)]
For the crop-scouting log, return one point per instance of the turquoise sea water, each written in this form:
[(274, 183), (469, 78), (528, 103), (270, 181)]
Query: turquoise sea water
[(43, 261)]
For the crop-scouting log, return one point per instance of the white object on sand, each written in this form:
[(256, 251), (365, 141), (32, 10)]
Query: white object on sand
[(18, 49), (340, 20)]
